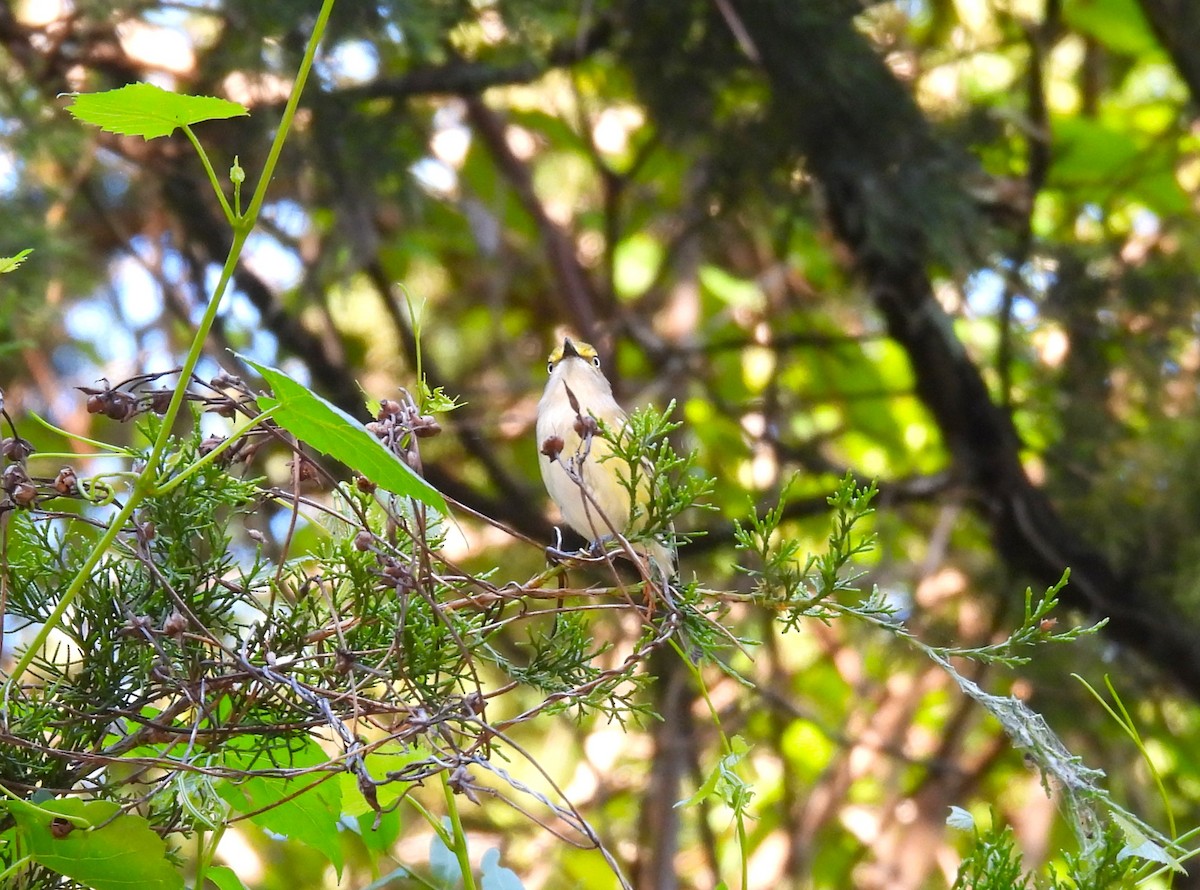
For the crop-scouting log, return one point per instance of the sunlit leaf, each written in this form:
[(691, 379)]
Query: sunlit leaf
[(8, 263), (332, 431), (1118, 24), (121, 853), (306, 808), (142, 109), (225, 878)]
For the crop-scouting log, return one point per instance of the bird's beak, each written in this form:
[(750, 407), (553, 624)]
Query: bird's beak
[(569, 348)]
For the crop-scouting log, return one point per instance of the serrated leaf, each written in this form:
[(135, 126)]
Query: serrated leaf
[(122, 854), (8, 263), (332, 431), (142, 109)]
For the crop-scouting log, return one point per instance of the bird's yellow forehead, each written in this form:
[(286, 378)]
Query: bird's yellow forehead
[(585, 350)]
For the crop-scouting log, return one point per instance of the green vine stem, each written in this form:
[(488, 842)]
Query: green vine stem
[(77, 821), (144, 486), (212, 175), (726, 750), (460, 837)]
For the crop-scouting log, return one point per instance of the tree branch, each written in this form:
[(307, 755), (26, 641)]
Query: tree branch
[(885, 148), (578, 295)]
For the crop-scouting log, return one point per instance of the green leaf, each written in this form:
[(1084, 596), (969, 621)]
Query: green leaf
[(442, 861), (332, 431), (387, 882), (723, 784), (121, 853), (142, 109), (1119, 24), (8, 263), (495, 876), (225, 878), (635, 264), (732, 291), (305, 809), (1090, 152)]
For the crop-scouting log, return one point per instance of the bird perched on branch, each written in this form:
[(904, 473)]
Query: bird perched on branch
[(581, 477)]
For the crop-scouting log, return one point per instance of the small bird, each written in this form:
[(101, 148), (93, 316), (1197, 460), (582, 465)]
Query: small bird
[(575, 376)]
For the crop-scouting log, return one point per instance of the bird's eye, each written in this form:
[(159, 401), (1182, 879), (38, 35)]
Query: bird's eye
[(549, 367), (596, 360)]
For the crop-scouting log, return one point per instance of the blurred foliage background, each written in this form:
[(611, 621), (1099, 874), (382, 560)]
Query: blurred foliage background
[(947, 245)]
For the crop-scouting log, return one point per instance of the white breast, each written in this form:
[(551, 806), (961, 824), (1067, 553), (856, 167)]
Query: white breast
[(609, 499)]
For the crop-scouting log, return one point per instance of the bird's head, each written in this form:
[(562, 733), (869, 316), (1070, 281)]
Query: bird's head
[(578, 364), (572, 354)]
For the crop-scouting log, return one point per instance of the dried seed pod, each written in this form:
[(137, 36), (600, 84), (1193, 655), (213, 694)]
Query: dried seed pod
[(552, 446), (365, 485), (364, 541), (66, 482), (160, 401), (586, 426), (210, 445), (223, 407), (13, 475), (24, 494), (60, 828), (426, 427), (121, 406), (308, 470), (388, 408), (137, 627), (15, 448), (175, 624)]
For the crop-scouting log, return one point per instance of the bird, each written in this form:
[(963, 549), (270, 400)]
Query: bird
[(595, 503)]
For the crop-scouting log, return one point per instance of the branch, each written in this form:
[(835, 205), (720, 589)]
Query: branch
[(873, 157), (1176, 23), (578, 295)]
